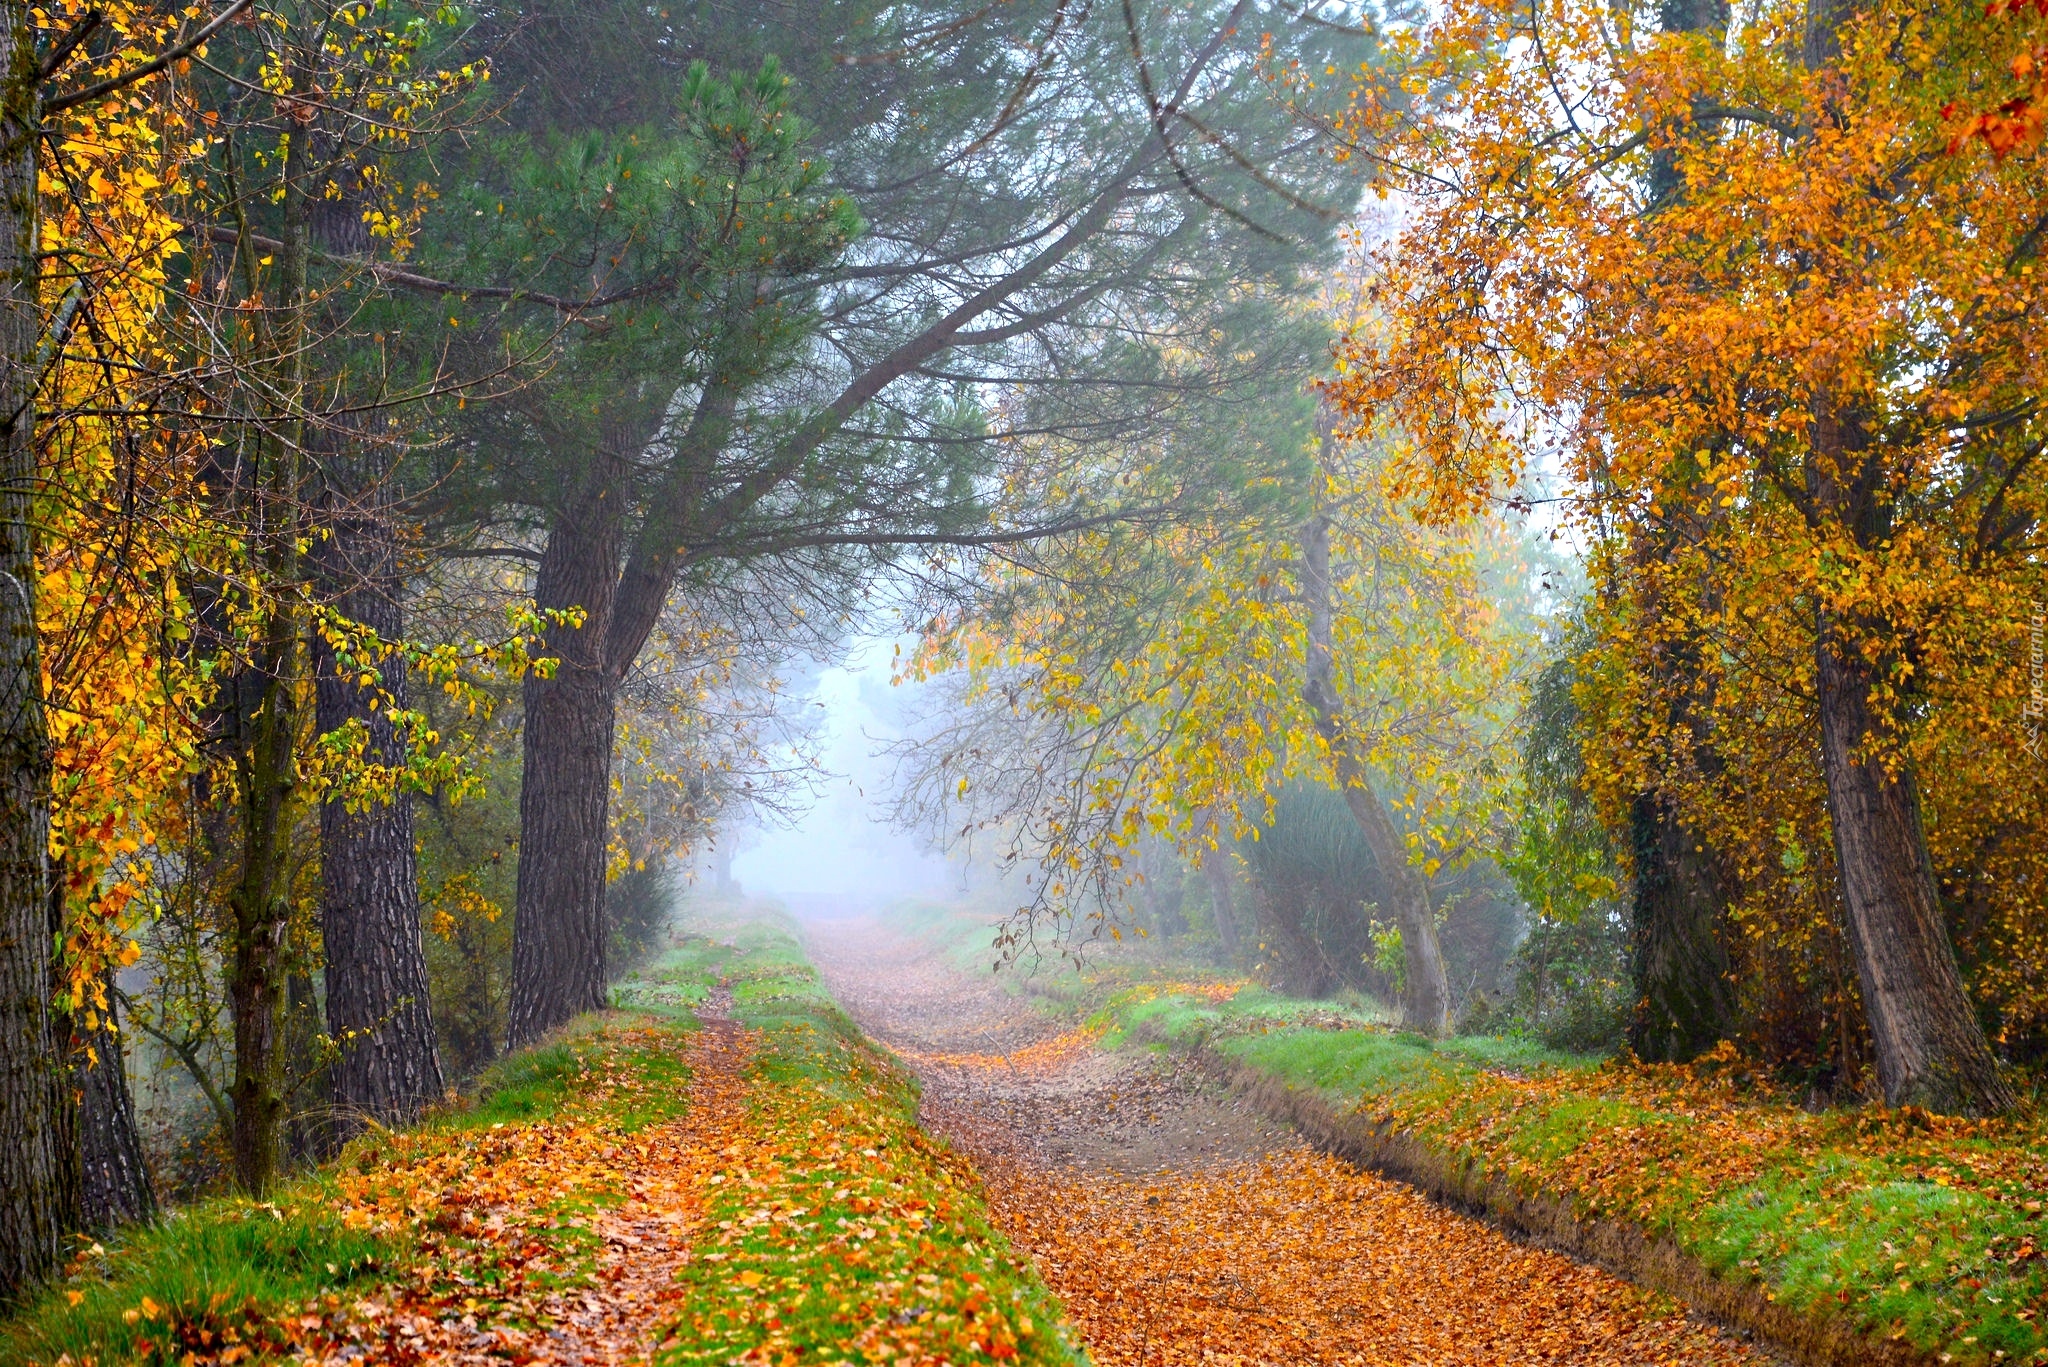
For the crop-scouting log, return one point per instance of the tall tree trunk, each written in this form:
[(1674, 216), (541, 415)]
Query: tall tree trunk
[(37, 1203), (1685, 1003), (559, 934), (1678, 959), (1222, 909), (115, 1181), (266, 745), (1426, 995), (378, 1012), (1930, 1048), (257, 961)]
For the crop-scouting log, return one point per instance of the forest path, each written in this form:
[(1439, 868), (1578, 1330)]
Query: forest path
[(1179, 1228)]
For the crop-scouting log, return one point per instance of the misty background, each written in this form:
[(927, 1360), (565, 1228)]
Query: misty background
[(840, 855)]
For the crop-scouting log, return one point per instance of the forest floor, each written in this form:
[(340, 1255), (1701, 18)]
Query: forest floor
[(1178, 1227)]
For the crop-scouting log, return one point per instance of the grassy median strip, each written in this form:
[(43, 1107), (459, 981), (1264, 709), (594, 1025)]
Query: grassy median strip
[(839, 1231), (1925, 1230)]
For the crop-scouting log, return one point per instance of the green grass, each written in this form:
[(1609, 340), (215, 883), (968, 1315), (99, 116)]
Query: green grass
[(836, 1151), (219, 1256), (929, 1269), (229, 1262), (845, 1232), (226, 1258)]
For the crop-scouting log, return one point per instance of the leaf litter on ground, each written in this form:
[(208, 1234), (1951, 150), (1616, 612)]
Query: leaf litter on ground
[(1179, 1227)]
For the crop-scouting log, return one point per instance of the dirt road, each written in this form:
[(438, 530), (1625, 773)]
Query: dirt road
[(1178, 1228)]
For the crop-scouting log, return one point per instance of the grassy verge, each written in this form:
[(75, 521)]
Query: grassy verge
[(835, 1227), (230, 1279), (842, 1232), (1925, 1231)]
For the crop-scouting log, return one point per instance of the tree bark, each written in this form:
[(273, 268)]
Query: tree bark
[(257, 972), (1930, 1047), (37, 1203), (1685, 1003), (1426, 995), (1679, 962), (1222, 909), (559, 934), (378, 1012), (116, 1188), (266, 740)]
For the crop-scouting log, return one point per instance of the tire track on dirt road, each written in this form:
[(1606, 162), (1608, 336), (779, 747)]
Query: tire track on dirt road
[(1180, 1228)]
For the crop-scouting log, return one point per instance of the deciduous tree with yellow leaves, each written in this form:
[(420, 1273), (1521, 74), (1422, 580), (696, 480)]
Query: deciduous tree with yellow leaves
[(1726, 278), (95, 733), (1169, 686)]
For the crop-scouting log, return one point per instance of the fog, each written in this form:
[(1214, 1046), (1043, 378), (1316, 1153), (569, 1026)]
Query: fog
[(840, 856)]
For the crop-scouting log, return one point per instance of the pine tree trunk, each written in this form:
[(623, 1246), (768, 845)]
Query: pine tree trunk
[(378, 1012), (1930, 1048), (559, 929), (559, 934), (37, 1202), (1685, 1003), (115, 1181)]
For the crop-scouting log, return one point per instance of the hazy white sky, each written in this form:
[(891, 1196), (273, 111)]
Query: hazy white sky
[(842, 851)]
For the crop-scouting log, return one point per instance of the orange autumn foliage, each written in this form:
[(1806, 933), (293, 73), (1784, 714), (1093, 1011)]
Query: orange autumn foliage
[(118, 526), (2017, 123), (1779, 352)]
